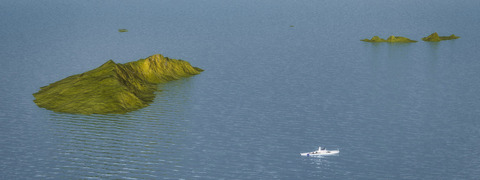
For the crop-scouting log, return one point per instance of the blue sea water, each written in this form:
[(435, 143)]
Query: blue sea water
[(269, 91)]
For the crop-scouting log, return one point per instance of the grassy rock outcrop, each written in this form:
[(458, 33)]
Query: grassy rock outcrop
[(113, 87), (434, 37), (391, 39)]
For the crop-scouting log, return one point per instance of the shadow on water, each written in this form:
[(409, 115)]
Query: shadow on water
[(142, 144)]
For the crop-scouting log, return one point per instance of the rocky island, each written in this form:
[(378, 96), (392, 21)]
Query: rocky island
[(435, 38), (391, 39), (113, 88)]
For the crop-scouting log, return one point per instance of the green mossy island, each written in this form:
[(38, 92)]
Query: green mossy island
[(434, 37), (122, 30), (113, 88), (391, 39)]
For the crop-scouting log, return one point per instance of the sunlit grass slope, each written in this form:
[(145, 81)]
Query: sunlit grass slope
[(434, 37), (391, 39), (113, 88)]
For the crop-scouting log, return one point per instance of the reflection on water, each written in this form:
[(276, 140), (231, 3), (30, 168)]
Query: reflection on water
[(389, 61), (399, 50), (433, 50), (321, 160), (321, 166), (142, 144)]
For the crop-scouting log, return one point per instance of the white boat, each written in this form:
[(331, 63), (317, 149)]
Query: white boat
[(321, 152)]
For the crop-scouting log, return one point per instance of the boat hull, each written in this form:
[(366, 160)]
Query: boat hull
[(323, 153)]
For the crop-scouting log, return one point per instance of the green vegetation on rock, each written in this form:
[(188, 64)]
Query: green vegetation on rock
[(113, 88), (122, 30), (434, 37), (391, 39)]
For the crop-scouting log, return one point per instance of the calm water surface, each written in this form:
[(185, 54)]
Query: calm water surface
[(269, 92)]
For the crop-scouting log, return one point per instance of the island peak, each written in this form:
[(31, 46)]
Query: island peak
[(113, 87), (391, 39), (434, 37)]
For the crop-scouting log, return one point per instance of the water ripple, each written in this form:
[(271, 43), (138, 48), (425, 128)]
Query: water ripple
[(131, 146)]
